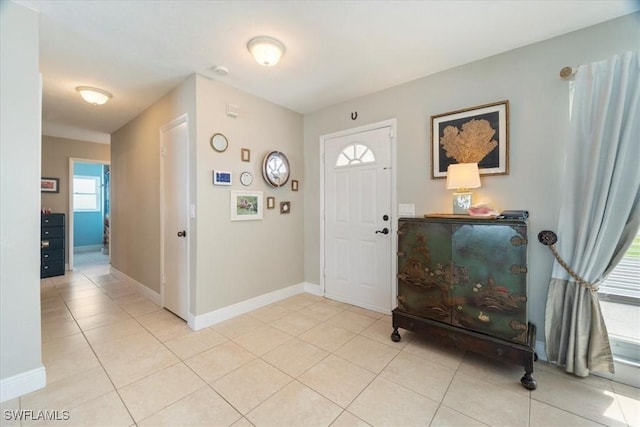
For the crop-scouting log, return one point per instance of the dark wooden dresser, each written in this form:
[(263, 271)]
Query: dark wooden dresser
[(52, 246), (463, 280)]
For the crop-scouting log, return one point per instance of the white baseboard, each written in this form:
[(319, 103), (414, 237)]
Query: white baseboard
[(144, 290), (20, 384), (228, 312), (313, 289), (626, 373)]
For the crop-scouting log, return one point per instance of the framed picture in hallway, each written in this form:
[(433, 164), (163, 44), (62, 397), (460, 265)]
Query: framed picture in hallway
[(50, 185), (473, 135), (246, 205)]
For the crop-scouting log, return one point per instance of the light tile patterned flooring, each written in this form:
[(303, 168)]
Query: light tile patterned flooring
[(114, 358)]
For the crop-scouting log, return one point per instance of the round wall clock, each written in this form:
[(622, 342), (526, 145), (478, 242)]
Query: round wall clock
[(275, 169), (246, 178)]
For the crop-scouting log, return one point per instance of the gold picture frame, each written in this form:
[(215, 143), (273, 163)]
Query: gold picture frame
[(472, 135)]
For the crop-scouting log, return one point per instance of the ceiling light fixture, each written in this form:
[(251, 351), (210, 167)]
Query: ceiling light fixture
[(93, 95), (267, 51)]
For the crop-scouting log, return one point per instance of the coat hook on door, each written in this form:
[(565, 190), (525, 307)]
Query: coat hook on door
[(354, 115)]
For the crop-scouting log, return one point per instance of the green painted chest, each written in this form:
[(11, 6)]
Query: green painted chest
[(469, 273)]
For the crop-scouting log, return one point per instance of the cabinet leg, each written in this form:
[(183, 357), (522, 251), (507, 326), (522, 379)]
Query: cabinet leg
[(528, 382), (395, 336)]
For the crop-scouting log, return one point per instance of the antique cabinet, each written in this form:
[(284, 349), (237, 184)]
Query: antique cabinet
[(463, 279), (52, 247)]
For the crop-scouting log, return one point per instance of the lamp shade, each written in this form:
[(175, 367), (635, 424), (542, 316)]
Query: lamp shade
[(93, 95), (463, 175), (267, 51)]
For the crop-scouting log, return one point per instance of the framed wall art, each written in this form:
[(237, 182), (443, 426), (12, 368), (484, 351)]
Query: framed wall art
[(49, 185), (473, 135), (246, 205), (245, 154), (271, 202)]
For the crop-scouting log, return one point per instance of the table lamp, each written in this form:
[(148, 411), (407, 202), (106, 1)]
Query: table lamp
[(461, 177)]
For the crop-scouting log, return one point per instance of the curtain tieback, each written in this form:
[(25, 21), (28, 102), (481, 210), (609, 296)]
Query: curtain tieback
[(549, 238)]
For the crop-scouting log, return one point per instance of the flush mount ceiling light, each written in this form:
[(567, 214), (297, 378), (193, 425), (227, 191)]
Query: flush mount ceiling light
[(93, 95), (267, 51)]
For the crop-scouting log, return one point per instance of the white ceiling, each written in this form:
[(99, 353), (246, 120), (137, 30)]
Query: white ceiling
[(336, 50)]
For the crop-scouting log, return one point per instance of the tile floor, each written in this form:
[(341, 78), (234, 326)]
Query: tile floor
[(114, 358)]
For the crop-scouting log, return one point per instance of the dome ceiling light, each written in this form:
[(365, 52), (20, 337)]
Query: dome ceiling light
[(266, 50), (93, 95)]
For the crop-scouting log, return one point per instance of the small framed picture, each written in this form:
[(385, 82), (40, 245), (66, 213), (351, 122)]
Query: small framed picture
[(285, 207), (245, 154), (50, 185), (271, 202), (246, 205), (294, 185), (221, 178)]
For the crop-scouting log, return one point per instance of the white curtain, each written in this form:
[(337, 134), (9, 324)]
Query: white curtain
[(600, 212)]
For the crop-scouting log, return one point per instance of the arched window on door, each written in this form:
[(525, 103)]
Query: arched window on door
[(355, 154)]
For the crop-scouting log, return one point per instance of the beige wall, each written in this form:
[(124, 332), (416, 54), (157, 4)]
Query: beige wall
[(230, 261), (243, 259), (528, 78), (135, 190), (56, 153)]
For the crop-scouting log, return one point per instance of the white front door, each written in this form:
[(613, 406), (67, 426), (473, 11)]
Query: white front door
[(357, 218), (174, 217)]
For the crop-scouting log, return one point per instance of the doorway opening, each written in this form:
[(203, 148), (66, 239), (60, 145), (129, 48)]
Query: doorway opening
[(89, 212)]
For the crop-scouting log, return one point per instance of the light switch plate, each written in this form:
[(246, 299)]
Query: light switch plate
[(406, 209)]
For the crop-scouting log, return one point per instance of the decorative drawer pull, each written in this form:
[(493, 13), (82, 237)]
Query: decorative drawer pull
[(518, 269), (44, 244), (518, 241)]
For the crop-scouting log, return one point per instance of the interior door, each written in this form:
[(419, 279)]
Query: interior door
[(175, 220), (357, 203)]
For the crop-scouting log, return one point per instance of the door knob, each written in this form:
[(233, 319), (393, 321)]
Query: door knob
[(182, 233), (383, 231)]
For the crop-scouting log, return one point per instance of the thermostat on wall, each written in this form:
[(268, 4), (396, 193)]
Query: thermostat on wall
[(221, 178)]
